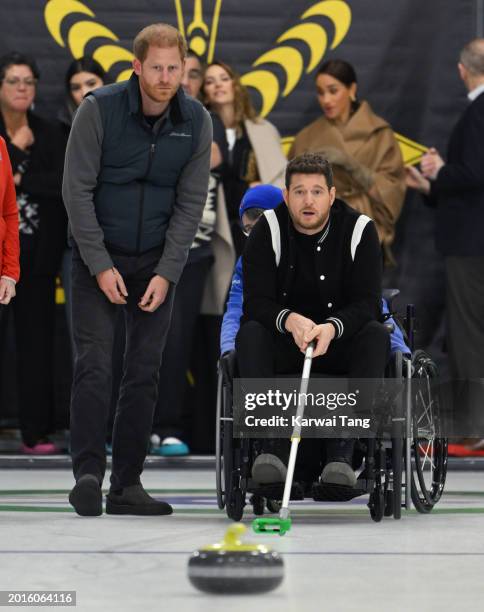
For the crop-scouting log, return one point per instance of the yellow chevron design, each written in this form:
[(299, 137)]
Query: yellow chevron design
[(411, 151), (261, 78), (286, 143), (198, 42), (314, 36), (82, 32), (108, 55), (291, 59), (57, 10), (339, 13), (266, 80)]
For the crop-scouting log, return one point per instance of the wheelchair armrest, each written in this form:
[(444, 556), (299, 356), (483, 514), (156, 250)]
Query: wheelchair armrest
[(389, 295), (228, 365)]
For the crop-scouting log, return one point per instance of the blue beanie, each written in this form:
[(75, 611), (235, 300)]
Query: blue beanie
[(261, 196)]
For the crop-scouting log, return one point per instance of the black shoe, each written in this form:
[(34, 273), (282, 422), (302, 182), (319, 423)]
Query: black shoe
[(268, 469), (135, 500), (337, 471), (86, 497)]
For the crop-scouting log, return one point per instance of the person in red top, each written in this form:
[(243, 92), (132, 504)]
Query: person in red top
[(9, 239)]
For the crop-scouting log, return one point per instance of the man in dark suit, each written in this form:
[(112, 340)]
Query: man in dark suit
[(456, 187)]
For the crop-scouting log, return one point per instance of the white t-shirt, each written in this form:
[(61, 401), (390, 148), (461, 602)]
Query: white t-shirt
[(231, 135)]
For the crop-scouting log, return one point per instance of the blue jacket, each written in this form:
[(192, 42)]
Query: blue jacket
[(231, 320)]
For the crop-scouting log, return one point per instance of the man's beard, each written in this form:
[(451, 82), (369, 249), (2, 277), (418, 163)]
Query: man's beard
[(159, 95), (309, 223), (312, 223)]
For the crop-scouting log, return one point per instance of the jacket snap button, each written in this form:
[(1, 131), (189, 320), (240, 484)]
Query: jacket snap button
[(329, 305), (322, 277)]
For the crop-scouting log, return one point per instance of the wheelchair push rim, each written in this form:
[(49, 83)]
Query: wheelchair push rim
[(219, 467), (429, 447)]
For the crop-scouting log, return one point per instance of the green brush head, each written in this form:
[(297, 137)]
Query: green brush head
[(271, 525)]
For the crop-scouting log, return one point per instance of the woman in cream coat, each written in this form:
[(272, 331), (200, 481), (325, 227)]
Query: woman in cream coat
[(253, 156)]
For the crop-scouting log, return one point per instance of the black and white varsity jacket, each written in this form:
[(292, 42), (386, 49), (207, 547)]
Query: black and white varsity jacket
[(348, 264)]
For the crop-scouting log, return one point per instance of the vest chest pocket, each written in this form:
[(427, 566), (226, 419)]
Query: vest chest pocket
[(172, 152)]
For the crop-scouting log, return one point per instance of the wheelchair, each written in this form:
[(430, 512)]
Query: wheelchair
[(408, 465)]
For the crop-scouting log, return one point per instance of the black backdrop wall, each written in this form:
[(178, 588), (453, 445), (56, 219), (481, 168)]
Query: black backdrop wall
[(404, 51)]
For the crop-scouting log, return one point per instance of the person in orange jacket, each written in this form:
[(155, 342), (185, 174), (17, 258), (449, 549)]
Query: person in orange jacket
[(9, 238)]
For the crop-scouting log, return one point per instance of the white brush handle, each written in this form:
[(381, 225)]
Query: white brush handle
[(296, 434)]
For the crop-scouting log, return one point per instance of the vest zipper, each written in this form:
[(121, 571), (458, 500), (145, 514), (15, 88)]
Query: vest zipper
[(142, 198)]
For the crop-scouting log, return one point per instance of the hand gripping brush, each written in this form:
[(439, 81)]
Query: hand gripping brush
[(282, 524)]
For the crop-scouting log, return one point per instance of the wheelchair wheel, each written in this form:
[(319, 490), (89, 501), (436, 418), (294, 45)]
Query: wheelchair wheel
[(258, 504), (429, 448), (376, 503), (397, 446), (235, 505), (273, 506), (232, 454), (228, 491), (388, 503), (227, 442), (219, 462)]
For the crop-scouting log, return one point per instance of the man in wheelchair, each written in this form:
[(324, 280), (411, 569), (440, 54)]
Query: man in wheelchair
[(311, 271)]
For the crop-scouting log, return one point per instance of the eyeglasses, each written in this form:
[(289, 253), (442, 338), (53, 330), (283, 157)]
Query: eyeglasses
[(16, 81), (247, 228)]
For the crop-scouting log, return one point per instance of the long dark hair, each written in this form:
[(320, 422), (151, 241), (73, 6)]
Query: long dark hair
[(343, 72), (339, 69), (83, 64)]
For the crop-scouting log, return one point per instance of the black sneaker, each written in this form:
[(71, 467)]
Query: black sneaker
[(86, 497), (268, 469), (135, 500), (339, 472)]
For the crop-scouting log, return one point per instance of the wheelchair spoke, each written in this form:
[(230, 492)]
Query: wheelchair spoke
[(427, 408), (428, 456), (429, 448)]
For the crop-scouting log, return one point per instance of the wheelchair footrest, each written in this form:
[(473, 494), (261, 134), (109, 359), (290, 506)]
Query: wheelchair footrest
[(276, 491), (337, 493)]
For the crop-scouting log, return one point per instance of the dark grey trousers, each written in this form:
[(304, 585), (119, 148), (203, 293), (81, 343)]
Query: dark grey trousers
[(93, 318), (465, 315), (465, 341)]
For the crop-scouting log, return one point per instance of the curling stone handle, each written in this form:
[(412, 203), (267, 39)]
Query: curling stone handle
[(232, 535)]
